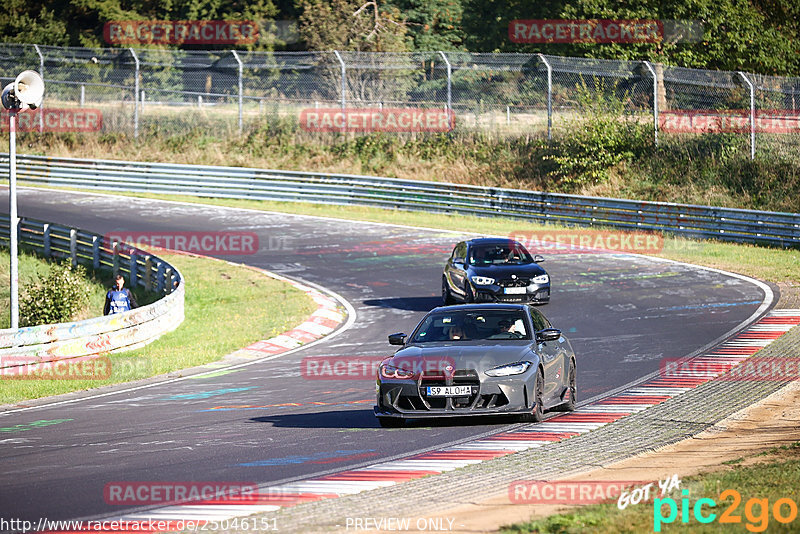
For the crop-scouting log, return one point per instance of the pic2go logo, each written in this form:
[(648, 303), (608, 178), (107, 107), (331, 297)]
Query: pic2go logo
[(756, 511)]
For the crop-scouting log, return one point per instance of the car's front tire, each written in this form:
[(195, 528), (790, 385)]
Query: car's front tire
[(537, 414), (572, 389)]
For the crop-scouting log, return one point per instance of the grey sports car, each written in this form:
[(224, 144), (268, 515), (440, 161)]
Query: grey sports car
[(477, 359)]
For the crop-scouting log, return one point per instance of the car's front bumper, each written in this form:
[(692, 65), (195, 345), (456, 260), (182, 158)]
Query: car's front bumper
[(491, 396), (495, 293)]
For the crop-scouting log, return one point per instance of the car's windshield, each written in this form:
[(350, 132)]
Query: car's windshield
[(510, 253), (459, 325)]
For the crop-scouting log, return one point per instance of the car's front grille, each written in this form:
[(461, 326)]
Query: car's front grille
[(514, 282)]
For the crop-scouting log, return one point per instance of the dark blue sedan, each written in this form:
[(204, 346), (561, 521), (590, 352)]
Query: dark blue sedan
[(494, 270)]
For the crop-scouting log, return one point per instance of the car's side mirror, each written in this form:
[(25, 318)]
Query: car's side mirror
[(548, 334), (397, 339), (459, 262), (538, 258)]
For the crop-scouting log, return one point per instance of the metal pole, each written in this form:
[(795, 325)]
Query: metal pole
[(12, 213), (83, 95), (135, 95), (449, 82), (344, 87), (752, 115), (549, 97), (241, 67), (41, 73), (655, 99)]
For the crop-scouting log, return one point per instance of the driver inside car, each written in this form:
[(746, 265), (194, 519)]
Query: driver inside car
[(456, 333)]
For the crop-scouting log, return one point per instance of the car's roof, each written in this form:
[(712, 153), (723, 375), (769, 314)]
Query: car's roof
[(479, 307), (490, 241)]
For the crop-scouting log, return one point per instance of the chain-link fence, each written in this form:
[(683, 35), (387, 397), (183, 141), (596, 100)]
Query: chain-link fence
[(140, 91)]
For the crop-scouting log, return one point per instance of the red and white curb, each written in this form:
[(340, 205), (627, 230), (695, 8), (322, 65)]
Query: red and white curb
[(322, 322), (585, 419)]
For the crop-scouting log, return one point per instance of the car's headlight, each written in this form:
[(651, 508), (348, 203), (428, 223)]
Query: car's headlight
[(482, 280), (541, 279), (390, 371), (510, 369)]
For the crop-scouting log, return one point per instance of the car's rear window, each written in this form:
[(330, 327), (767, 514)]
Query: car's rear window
[(463, 325)]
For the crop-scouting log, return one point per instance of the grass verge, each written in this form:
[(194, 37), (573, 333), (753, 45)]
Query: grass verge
[(227, 307), (775, 476)]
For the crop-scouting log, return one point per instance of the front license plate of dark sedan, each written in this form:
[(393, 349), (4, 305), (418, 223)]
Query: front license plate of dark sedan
[(449, 391)]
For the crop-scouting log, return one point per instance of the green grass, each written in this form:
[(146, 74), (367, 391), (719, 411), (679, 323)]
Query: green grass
[(227, 307), (775, 477)]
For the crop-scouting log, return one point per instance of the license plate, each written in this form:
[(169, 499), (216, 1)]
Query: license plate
[(515, 290), (449, 391)]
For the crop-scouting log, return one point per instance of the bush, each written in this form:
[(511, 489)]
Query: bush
[(56, 298)]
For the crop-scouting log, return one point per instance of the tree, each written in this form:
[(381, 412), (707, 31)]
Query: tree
[(352, 25)]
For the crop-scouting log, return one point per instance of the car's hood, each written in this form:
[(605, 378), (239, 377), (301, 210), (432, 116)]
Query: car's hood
[(479, 355), (496, 271)]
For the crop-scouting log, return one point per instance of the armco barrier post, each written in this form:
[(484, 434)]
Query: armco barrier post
[(160, 276), (132, 269), (96, 251), (115, 261), (73, 246), (148, 268), (46, 239)]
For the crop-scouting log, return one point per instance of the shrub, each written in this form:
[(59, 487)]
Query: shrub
[(56, 298)]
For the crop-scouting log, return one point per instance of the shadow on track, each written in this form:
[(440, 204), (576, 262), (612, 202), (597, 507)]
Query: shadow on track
[(418, 304), (358, 419)]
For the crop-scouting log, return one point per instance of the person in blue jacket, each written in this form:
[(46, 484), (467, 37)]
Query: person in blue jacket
[(119, 299)]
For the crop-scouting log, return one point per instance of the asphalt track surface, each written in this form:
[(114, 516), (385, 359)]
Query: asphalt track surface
[(622, 313)]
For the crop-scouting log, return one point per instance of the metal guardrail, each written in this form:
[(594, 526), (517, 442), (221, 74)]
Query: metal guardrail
[(726, 224), (100, 335)]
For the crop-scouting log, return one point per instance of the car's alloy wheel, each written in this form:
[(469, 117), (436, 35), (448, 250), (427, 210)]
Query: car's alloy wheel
[(537, 414), (447, 298)]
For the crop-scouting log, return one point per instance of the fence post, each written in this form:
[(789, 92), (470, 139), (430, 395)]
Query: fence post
[(46, 239), (83, 95), (115, 260), (752, 114), (73, 246), (241, 67), (135, 95), (344, 87), (132, 268), (148, 268), (549, 96), (449, 82), (96, 241), (655, 99), (160, 276), (41, 73)]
